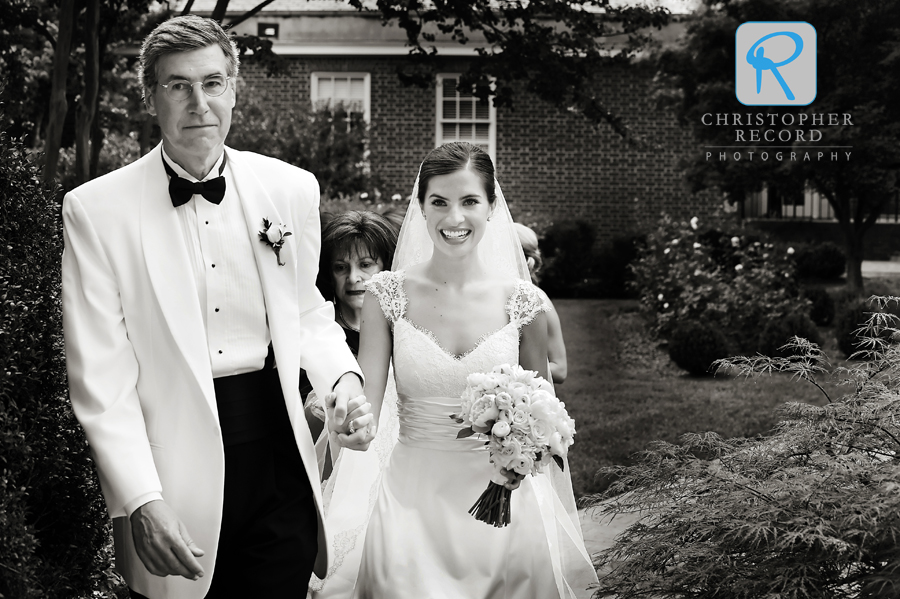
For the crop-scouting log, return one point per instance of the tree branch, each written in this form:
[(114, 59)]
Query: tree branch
[(249, 14)]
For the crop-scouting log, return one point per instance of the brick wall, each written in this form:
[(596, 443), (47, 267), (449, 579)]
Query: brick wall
[(552, 164)]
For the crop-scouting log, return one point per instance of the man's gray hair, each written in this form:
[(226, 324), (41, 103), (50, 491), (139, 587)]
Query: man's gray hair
[(181, 34)]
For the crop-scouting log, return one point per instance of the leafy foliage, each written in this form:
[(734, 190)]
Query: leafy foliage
[(53, 528), (694, 346), (332, 143), (555, 48), (811, 510), (717, 273)]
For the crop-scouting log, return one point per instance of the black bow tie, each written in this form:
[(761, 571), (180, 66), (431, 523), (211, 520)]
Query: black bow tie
[(181, 190)]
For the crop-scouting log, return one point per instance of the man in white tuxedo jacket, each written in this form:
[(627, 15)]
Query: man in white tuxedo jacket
[(189, 308)]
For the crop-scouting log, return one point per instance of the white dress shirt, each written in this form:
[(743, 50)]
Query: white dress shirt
[(225, 272)]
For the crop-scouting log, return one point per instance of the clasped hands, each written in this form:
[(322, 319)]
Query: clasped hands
[(348, 415)]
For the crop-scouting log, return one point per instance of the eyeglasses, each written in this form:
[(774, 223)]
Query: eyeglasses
[(180, 89)]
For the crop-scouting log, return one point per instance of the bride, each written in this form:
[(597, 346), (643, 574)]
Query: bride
[(458, 301)]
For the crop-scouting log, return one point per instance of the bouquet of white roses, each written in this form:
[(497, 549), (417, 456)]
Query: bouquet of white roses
[(527, 428)]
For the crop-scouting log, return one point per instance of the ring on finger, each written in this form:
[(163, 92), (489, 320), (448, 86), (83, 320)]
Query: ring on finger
[(352, 427)]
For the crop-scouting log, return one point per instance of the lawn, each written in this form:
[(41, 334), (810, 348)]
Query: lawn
[(623, 391)]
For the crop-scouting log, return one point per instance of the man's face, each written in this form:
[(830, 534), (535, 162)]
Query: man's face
[(195, 128)]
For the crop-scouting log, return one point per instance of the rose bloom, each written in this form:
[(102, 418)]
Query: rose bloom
[(275, 233), (504, 401), (790, 251), (510, 449), (519, 418), (736, 241), (500, 429), (523, 465), (694, 223), (541, 431), (696, 246), (739, 267)]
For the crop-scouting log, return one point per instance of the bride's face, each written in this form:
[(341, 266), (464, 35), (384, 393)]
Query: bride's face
[(456, 211)]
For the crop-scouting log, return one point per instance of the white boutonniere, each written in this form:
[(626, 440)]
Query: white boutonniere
[(274, 235)]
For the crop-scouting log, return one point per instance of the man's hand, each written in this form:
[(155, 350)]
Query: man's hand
[(163, 543), (350, 421)]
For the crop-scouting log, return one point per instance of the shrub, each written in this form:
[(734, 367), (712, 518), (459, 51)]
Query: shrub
[(331, 143), (851, 315), (824, 260), (53, 525), (779, 331), (821, 306), (567, 248), (694, 346), (612, 265), (714, 274), (810, 510)]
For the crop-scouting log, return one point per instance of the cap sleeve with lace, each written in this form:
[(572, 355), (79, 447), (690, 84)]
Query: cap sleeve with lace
[(525, 304), (387, 287)]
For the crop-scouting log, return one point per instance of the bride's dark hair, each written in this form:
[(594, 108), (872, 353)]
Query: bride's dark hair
[(456, 156)]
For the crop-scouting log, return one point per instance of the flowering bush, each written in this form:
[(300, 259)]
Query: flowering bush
[(528, 427), (717, 274)]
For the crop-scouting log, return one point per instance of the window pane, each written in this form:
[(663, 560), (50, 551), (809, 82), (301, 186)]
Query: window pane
[(482, 131), (341, 89), (449, 88), (449, 131), (357, 88), (449, 109), (326, 88), (465, 109), (483, 110), (465, 131)]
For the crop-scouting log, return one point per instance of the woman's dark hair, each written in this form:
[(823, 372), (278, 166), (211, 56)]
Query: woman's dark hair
[(456, 156), (360, 229)]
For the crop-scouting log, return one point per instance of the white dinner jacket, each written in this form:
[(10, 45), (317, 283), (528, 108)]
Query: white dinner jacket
[(138, 363)]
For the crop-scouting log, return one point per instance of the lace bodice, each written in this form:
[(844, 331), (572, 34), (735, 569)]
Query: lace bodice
[(425, 369)]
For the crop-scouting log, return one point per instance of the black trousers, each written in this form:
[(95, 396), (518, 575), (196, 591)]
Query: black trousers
[(269, 536)]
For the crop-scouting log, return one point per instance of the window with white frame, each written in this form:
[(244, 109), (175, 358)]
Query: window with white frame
[(461, 116), (351, 90)]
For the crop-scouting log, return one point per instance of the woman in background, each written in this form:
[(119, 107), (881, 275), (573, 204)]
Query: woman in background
[(556, 346), (355, 246)]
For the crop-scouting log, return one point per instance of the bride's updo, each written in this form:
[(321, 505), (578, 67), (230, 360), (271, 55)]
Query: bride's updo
[(456, 156)]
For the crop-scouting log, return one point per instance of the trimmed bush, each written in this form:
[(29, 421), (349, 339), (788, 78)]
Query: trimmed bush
[(611, 266), (851, 315), (822, 306), (568, 259), (54, 534), (824, 260), (779, 331), (694, 346)]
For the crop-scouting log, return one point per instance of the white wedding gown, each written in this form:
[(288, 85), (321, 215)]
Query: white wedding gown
[(421, 541)]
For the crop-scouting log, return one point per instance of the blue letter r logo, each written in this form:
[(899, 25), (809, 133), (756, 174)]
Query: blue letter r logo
[(775, 63)]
